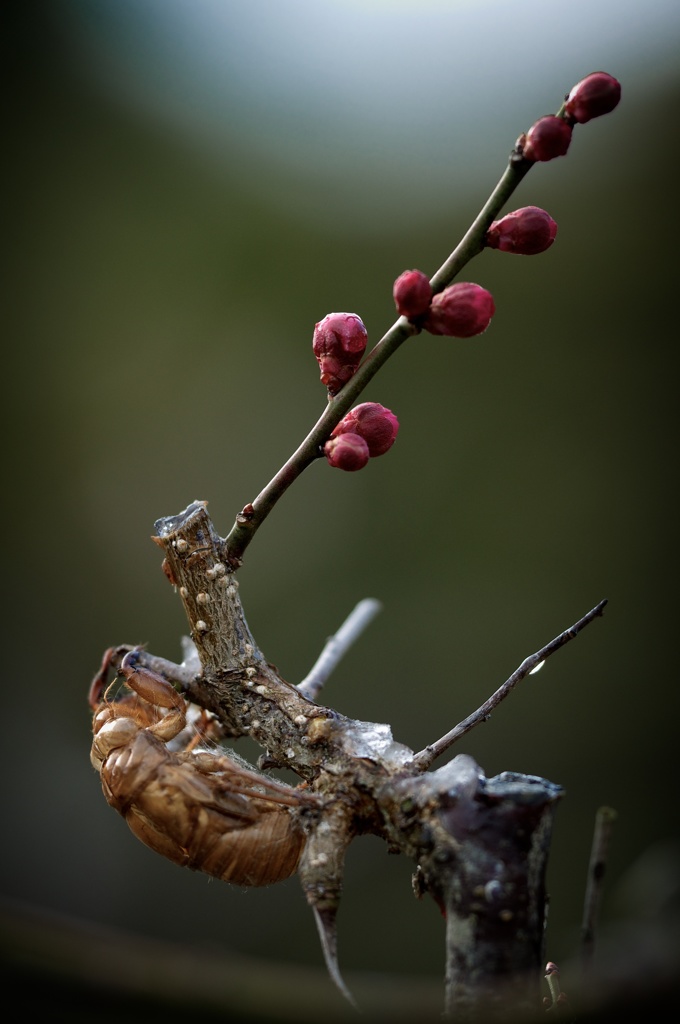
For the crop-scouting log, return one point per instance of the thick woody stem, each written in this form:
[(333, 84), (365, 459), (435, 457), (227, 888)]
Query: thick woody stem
[(235, 681), (494, 895), (480, 845)]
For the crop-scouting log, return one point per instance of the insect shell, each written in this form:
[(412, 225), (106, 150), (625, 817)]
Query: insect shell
[(200, 809)]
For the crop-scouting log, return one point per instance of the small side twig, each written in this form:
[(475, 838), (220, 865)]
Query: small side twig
[(337, 646), (604, 821), (558, 999), (424, 758)]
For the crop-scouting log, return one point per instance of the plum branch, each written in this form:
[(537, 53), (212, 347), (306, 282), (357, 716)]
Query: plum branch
[(480, 844), (473, 242), (548, 138)]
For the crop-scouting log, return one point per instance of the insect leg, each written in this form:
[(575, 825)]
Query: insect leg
[(157, 691)]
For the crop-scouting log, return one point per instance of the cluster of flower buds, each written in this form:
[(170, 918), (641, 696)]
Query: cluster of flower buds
[(366, 431), (460, 311), (593, 96), (339, 342), (526, 232)]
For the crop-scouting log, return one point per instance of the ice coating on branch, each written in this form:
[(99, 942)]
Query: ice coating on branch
[(461, 780), (170, 524), (374, 740), (531, 789), (461, 776), (190, 658)]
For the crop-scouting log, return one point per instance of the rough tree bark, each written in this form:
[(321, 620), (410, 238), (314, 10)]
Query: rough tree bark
[(479, 845)]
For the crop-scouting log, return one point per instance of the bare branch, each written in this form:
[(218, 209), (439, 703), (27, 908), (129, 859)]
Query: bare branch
[(470, 245), (604, 820), (480, 845), (337, 646), (424, 758)]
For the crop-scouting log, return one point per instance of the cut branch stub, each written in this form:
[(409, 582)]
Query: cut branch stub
[(194, 563), (238, 684), (235, 681), (485, 865)]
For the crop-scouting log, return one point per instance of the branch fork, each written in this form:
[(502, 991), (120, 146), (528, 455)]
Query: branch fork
[(480, 844), (370, 783)]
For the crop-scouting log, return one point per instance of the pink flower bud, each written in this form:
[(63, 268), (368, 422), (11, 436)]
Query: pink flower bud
[(374, 423), (460, 311), (547, 138), (593, 96), (348, 451), (412, 293), (526, 232), (339, 342)]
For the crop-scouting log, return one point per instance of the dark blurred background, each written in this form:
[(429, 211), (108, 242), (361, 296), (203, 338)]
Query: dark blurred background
[(190, 186)]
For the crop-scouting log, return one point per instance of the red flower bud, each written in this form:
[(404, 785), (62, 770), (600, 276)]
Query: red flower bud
[(460, 311), (412, 293), (374, 423), (526, 232), (348, 451), (593, 96), (547, 138), (339, 342)]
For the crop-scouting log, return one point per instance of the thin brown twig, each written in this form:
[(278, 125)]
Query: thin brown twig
[(424, 758), (604, 821)]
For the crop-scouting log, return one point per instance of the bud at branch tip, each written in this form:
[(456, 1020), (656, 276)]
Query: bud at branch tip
[(593, 96)]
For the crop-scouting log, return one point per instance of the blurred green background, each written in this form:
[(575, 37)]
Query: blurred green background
[(190, 187)]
